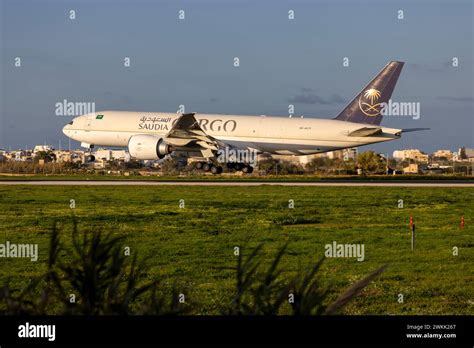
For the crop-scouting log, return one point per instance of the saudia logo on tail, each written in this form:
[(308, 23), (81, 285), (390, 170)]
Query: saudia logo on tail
[(368, 102)]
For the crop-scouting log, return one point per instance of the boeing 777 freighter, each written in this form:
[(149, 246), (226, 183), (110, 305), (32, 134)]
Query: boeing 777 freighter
[(153, 135)]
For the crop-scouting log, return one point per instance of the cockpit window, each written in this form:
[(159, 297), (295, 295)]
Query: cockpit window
[(71, 122)]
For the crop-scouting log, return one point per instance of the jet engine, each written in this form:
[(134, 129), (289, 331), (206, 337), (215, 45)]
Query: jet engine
[(148, 147)]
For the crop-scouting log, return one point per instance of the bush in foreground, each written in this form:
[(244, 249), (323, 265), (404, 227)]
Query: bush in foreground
[(104, 282)]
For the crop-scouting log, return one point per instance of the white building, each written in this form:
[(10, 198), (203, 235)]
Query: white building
[(108, 155), (345, 154), (45, 148), (350, 154)]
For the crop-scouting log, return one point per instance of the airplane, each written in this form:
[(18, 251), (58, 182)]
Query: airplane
[(154, 135)]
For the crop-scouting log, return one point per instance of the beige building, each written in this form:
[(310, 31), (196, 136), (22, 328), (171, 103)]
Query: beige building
[(20, 155), (411, 169), (411, 154), (303, 160), (443, 154), (346, 155), (69, 156), (469, 155)]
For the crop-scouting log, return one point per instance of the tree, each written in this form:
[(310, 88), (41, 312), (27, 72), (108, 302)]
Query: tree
[(170, 166), (268, 165), (370, 162), (47, 156), (132, 164), (287, 167), (319, 164)]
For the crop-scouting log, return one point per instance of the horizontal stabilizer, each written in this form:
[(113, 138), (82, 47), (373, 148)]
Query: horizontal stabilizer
[(406, 130), (365, 132)]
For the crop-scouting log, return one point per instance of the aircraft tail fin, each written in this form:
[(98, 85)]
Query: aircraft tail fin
[(365, 108)]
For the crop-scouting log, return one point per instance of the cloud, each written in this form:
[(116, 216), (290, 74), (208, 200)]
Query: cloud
[(307, 97)]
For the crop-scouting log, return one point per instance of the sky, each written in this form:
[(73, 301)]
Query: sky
[(191, 61)]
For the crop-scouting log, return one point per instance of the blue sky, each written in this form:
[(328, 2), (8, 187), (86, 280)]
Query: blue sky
[(190, 61)]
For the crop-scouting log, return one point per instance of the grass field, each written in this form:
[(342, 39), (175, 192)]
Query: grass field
[(192, 248)]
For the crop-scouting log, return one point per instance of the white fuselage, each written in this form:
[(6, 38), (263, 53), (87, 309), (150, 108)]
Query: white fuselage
[(275, 135)]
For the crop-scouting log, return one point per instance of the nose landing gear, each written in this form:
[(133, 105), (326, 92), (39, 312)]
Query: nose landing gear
[(88, 157)]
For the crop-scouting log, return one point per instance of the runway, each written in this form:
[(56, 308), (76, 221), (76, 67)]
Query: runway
[(230, 183)]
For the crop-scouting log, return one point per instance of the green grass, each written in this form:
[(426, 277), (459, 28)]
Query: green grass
[(192, 248)]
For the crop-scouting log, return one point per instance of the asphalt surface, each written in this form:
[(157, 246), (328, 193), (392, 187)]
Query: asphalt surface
[(230, 183)]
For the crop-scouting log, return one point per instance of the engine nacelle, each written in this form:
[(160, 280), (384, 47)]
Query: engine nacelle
[(148, 147)]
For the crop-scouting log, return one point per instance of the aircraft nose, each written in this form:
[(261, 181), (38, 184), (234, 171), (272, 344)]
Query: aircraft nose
[(67, 128)]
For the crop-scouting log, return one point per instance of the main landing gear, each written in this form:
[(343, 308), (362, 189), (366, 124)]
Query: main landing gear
[(216, 169), (240, 167), (209, 167)]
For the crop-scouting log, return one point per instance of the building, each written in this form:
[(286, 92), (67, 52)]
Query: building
[(350, 154), (410, 154), (20, 155), (62, 156), (338, 154), (45, 148), (469, 153), (309, 158), (121, 155), (109, 155), (345, 154), (287, 158), (411, 169), (443, 154), (464, 154), (69, 156)]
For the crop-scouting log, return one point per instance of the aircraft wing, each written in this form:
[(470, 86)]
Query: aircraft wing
[(187, 130)]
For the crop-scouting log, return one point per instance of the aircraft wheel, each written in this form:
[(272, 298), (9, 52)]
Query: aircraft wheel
[(206, 167), (199, 165), (247, 169), (238, 166), (230, 165), (216, 169)]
